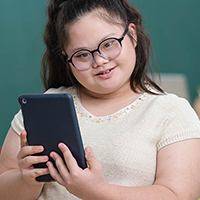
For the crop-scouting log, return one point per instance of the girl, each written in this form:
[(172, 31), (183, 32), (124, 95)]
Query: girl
[(140, 142)]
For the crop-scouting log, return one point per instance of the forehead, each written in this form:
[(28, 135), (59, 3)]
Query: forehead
[(91, 29)]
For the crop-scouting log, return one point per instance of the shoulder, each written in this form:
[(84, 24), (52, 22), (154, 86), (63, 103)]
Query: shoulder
[(171, 103), (173, 111), (62, 89), (171, 98), (178, 119)]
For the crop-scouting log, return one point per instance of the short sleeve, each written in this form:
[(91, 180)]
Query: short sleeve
[(17, 123), (181, 123)]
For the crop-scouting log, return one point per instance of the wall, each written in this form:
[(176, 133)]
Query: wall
[(175, 32), (173, 26), (21, 48)]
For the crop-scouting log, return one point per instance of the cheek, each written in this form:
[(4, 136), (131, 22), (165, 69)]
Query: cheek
[(130, 47), (75, 72), (129, 54), (80, 76)]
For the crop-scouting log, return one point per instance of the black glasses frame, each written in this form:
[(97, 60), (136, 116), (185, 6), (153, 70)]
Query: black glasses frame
[(93, 51)]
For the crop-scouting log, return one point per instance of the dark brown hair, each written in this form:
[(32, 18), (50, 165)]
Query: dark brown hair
[(62, 14)]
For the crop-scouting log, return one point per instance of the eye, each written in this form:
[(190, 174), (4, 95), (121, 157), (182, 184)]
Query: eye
[(108, 44), (82, 54)]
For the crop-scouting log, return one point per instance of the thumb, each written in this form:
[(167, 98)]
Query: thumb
[(23, 138), (90, 158)]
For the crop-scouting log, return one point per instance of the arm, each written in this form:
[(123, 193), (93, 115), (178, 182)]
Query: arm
[(17, 175), (177, 176)]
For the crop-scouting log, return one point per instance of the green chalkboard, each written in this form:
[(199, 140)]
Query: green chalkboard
[(175, 32), (21, 48), (173, 26)]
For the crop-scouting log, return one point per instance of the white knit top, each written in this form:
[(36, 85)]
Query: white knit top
[(126, 143)]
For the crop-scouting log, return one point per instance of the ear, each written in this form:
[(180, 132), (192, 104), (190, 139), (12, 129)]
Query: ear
[(132, 31)]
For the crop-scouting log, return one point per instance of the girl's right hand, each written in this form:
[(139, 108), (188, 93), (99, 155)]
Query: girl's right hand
[(26, 160)]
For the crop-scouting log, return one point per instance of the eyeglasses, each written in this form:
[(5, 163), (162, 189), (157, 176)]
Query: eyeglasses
[(109, 49)]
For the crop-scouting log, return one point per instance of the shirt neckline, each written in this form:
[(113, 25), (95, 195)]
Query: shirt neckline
[(89, 116)]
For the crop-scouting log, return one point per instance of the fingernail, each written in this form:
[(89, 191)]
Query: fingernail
[(61, 145), (88, 149), (46, 158), (40, 148), (52, 154)]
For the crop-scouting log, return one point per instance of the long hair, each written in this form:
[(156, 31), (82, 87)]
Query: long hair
[(62, 14)]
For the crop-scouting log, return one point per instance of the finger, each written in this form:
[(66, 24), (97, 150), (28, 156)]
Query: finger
[(91, 160), (69, 159), (40, 172), (62, 168), (34, 173), (31, 160), (54, 173), (23, 138), (29, 150)]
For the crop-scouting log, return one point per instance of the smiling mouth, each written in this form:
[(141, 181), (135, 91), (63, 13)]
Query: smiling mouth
[(106, 72)]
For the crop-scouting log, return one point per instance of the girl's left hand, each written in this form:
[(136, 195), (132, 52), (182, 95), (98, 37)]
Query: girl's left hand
[(85, 184)]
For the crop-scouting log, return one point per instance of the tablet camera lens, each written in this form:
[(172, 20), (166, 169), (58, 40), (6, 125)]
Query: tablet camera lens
[(24, 101)]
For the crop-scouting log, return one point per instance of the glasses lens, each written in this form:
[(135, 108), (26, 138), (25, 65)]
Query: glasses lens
[(82, 59), (110, 48)]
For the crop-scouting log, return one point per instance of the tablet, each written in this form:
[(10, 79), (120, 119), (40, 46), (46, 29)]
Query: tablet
[(50, 119)]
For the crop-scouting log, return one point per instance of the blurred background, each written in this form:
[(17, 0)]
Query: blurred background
[(173, 26)]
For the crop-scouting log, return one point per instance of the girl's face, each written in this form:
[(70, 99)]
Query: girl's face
[(87, 33)]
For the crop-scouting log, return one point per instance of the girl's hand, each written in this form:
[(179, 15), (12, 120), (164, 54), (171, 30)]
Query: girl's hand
[(85, 184), (26, 160)]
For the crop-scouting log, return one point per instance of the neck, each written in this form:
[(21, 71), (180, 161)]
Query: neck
[(102, 104), (119, 93)]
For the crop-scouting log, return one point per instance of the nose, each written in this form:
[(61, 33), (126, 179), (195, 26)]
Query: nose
[(98, 60)]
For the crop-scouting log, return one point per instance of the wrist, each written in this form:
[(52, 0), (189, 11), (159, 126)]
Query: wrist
[(31, 185), (102, 192)]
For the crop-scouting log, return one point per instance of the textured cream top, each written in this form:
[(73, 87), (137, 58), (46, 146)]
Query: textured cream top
[(126, 143)]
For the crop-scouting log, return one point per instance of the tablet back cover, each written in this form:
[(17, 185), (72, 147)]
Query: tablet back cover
[(50, 119)]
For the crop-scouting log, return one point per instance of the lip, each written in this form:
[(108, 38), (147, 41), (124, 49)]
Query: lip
[(105, 76), (101, 73)]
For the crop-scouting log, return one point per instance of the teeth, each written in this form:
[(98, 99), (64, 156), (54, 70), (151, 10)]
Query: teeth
[(106, 72)]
